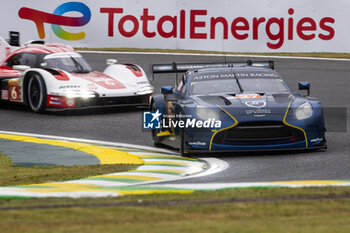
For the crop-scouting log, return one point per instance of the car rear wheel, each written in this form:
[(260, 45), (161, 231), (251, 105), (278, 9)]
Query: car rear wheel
[(36, 93), (183, 151)]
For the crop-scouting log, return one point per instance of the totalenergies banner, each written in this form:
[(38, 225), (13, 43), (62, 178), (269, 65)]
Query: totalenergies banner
[(221, 25)]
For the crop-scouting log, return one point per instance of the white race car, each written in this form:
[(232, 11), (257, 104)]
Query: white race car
[(53, 77)]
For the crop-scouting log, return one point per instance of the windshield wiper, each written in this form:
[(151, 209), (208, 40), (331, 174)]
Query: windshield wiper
[(239, 85), (80, 68)]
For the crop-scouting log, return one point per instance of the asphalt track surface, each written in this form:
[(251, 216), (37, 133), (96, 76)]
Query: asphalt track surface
[(330, 83)]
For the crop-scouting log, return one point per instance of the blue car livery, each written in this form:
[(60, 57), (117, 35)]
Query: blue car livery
[(237, 106)]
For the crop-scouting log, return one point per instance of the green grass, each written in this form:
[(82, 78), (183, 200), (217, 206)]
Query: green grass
[(13, 175), (243, 210), (322, 55), (324, 209)]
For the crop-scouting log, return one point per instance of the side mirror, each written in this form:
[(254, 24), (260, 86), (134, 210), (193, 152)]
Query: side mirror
[(20, 67), (111, 61), (166, 90), (305, 86)]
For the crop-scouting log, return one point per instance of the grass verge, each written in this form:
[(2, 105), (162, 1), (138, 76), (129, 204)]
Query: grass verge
[(13, 175), (242, 210), (324, 209), (321, 55)]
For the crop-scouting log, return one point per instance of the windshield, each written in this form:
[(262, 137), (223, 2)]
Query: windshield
[(263, 85), (72, 64), (231, 85), (214, 86)]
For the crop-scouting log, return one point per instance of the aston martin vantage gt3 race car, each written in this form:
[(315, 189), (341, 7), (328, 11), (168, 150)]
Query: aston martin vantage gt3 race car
[(55, 77), (234, 107)]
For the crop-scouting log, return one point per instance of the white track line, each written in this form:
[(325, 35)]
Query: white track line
[(143, 174), (100, 183), (166, 160), (216, 55), (216, 166)]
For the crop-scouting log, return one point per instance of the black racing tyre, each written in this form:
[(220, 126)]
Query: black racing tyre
[(155, 138), (183, 151), (36, 93)]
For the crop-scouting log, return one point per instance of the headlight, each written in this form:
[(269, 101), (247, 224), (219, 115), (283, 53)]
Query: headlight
[(79, 94), (206, 113), (145, 90), (304, 111)]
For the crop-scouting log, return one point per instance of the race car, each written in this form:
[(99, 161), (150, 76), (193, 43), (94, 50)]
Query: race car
[(55, 77), (237, 106)]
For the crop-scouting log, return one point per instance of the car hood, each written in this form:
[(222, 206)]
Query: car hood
[(245, 107), (103, 84), (100, 80)]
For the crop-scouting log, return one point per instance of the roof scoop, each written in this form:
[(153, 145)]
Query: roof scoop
[(282, 97), (216, 100)]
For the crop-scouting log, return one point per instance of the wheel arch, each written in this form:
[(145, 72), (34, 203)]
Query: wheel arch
[(159, 101), (43, 73), (124, 72)]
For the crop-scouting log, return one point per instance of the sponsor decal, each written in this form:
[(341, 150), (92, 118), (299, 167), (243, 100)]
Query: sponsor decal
[(198, 143), (256, 103), (70, 102), (316, 140), (257, 75), (15, 93), (55, 98), (4, 94), (143, 82), (274, 29), (248, 96), (198, 24), (213, 76), (69, 86), (60, 101), (258, 111), (92, 87), (164, 68), (55, 103), (57, 19)]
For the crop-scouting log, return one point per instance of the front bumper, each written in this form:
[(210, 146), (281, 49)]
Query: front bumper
[(62, 103), (256, 136)]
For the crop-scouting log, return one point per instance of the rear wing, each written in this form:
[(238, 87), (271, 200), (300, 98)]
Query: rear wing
[(8, 46), (184, 67)]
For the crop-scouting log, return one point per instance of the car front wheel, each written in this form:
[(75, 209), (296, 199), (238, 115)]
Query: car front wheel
[(36, 93)]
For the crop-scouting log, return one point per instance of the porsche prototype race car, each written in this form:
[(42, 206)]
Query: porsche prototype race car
[(53, 77), (234, 107)]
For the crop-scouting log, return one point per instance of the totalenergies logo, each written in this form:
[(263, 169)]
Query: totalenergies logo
[(57, 19)]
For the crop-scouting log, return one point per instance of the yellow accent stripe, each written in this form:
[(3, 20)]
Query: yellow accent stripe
[(285, 122), (105, 155), (236, 122), (165, 133)]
